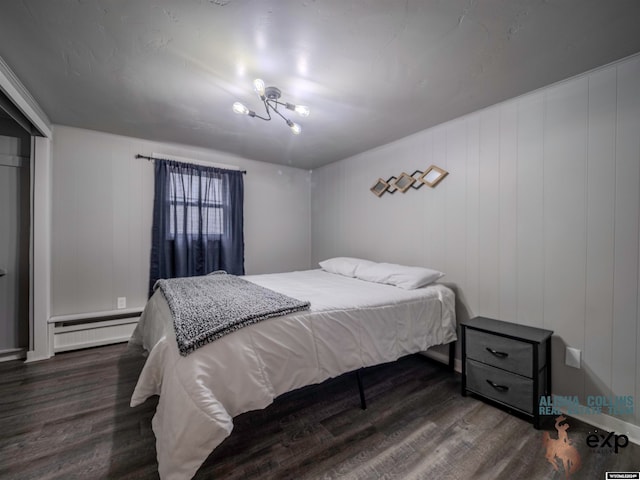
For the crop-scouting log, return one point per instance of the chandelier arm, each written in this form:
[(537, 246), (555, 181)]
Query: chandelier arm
[(276, 110), (266, 107), (255, 115), (278, 103)]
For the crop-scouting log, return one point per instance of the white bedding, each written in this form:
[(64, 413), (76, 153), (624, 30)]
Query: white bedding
[(351, 324)]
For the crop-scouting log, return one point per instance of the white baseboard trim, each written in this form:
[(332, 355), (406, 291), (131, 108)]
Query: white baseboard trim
[(32, 356)]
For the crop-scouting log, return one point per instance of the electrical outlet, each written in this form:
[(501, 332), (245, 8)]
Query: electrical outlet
[(122, 302), (572, 357)]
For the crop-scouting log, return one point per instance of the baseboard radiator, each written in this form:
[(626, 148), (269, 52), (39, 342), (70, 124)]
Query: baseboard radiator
[(72, 332)]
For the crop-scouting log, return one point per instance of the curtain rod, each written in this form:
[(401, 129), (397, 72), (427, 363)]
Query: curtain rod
[(154, 158)]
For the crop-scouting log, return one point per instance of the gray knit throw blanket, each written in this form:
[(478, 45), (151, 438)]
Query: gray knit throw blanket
[(207, 308)]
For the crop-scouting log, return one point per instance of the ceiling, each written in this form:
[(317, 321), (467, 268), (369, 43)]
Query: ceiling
[(372, 71)]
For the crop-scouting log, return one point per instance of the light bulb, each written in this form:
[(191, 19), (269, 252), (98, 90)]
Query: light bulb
[(239, 108), (302, 110), (258, 86), (295, 128)]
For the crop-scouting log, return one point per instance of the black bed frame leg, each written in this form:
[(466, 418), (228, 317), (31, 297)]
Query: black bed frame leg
[(452, 356), (363, 402)]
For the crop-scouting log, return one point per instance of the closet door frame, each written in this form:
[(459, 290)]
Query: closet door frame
[(27, 109)]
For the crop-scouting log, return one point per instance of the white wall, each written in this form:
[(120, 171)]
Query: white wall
[(537, 222), (102, 200)]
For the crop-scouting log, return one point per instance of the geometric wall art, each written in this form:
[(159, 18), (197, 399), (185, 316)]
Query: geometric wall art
[(430, 177)]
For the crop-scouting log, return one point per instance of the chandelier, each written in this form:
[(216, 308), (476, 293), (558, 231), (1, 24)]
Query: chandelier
[(270, 97)]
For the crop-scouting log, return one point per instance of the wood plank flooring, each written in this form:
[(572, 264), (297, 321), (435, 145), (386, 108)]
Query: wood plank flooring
[(69, 418)]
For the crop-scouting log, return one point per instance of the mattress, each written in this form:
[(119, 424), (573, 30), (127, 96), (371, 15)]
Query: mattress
[(351, 324)]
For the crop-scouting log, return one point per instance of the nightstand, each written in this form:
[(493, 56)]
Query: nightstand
[(507, 364)]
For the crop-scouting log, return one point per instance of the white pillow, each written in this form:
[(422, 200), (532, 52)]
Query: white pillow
[(401, 276), (346, 266)]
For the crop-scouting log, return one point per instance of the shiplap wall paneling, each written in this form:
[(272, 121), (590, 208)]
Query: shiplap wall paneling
[(625, 286), (454, 193), (366, 236), (530, 218), (374, 235), (471, 293), (550, 209), (337, 224), (489, 213), (508, 231), (409, 206), (340, 197), (565, 224), (324, 236), (436, 242), (601, 169), (430, 207)]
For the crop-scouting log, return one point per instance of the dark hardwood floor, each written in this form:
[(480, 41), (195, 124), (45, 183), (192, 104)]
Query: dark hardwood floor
[(69, 418)]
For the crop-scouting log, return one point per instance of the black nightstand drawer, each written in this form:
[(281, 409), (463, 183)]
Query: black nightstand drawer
[(505, 353), (497, 384)]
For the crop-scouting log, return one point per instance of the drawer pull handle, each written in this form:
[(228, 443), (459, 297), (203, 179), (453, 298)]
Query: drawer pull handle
[(500, 388), (497, 354)]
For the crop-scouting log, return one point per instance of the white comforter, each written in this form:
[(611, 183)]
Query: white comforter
[(351, 324)]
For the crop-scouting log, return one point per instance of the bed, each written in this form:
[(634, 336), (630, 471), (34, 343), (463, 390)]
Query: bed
[(351, 324)]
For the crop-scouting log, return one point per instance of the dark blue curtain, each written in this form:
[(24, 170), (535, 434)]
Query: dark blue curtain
[(197, 221)]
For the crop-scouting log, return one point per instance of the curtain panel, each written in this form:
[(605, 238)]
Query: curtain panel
[(197, 221)]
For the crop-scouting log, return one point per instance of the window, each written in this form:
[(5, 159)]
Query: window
[(197, 205), (197, 221)]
